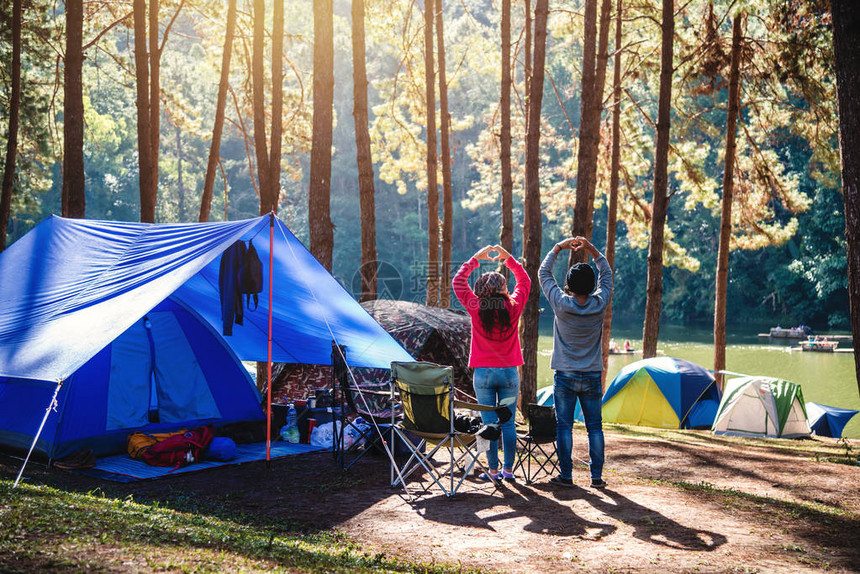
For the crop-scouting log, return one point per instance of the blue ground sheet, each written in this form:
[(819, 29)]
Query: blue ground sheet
[(123, 468)]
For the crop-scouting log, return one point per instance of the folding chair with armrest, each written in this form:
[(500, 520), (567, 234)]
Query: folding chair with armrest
[(427, 399)]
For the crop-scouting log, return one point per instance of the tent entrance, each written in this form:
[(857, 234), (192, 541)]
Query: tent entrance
[(155, 376)]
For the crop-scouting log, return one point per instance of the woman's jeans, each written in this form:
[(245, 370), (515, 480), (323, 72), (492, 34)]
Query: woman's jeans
[(585, 386), (492, 384)]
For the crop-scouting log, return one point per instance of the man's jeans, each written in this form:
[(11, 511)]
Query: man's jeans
[(585, 386), (492, 384)]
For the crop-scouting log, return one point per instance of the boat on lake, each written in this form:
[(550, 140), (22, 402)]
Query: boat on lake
[(800, 332), (819, 345)]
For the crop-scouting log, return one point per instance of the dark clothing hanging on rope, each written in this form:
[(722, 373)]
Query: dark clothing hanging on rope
[(228, 287)]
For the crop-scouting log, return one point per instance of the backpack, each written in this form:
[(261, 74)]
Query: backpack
[(251, 276), (179, 449)]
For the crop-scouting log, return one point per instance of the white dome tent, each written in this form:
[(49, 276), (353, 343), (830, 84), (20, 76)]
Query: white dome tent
[(758, 406)]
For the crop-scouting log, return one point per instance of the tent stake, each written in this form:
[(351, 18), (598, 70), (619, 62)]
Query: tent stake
[(269, 357), (39, 432)]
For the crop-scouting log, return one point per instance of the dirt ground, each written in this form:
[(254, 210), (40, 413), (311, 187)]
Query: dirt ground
[(703, 503)]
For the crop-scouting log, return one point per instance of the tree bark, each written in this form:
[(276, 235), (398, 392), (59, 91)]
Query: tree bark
[(274, 190), (144, 127), (506, 236), (447, 188), (179, 183), (612, 212), (527, 67), (722, 279), (319, 201), (154, 97), (846, 46), (593, 80), (14, 111), (532, 211), (220, 107), (366, 191), (261, 148), (74, 202), (432, 186), (583, 175), (660, 205)]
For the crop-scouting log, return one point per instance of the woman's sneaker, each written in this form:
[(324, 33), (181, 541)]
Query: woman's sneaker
[(509, 476), (598, 483), (489, 476), (559, 481)]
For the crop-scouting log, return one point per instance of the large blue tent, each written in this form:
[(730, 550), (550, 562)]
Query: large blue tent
[(828, 421), (123, 314)]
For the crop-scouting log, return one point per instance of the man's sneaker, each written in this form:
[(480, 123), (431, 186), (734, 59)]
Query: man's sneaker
[(598, 483), (559, 481)]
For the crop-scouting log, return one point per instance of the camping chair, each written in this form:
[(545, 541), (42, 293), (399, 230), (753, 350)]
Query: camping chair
[(534, 454), (427, 398), (375, 407)]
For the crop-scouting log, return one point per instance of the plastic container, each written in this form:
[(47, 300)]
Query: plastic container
[(290, 431)]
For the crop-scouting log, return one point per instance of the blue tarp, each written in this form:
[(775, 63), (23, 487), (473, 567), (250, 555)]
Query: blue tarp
[(69, 287), (828, 421), (128, 316)]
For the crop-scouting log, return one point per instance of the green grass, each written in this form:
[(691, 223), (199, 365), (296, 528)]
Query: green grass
[(45, 529)]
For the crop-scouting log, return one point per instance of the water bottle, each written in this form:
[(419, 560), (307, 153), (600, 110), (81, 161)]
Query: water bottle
[(291, 428)]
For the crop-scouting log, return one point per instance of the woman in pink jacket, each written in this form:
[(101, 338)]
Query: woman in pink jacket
[(495, 352)]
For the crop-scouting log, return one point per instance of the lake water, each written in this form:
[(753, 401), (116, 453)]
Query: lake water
[(826, 378)]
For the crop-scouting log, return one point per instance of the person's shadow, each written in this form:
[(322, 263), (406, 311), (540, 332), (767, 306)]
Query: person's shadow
[(545, 514), (649, 525)]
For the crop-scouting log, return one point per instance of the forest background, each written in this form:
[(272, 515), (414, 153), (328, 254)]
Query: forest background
[(788, 264)]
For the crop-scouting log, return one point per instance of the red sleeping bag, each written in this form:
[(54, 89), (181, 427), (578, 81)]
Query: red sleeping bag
[(180, 449)]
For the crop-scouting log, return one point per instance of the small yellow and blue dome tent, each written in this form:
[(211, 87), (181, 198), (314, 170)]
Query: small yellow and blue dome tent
[(662, 392), (763, 407)]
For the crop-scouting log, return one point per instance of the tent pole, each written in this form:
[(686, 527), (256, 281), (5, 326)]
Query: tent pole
[(269, 356), (39, 432)]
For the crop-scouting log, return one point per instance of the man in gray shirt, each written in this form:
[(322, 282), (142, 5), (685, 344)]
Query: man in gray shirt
[(577, 356)]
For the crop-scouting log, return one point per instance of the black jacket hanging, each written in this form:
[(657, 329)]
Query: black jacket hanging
[(229, 288)]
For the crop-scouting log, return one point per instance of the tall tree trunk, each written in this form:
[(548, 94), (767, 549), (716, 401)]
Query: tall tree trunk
[(319, 215), (274, 190), (366, 191), (594, 65), (527, 66), (179, 183), (144, 128), (220, 106), (728, 194), (532, 211), (583, 177), (154, 95), (432, 186), (846, 45), (506, 236), (261, 148), (660, 205), (12, 139), (74, 202), (615, 168), (447, 188)]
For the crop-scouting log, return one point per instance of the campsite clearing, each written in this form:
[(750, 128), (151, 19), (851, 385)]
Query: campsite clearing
[(677, 501)]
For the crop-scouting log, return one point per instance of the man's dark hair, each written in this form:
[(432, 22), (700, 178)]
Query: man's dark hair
[(580, 279)]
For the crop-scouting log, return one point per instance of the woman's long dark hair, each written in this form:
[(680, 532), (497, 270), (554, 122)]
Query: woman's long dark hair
[(493, 313)]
